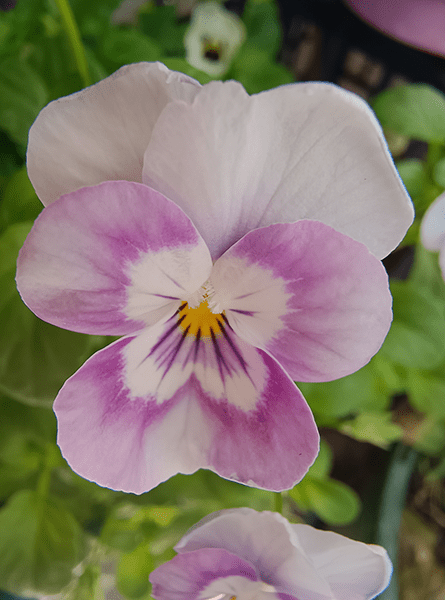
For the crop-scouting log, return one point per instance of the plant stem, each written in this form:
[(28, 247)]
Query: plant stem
[(435, 151), (392, 503), (278, 502), (74, 39)]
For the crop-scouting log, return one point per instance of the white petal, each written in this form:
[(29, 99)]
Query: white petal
[(432, 229), (302, 151), (101, 132), (354, 570)]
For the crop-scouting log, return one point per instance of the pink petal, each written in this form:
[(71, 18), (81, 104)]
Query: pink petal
[(146, 408), (267, 541), (187, 576), (303, 151), (111, 259), (101, 132), (317, 300), (418, 23)]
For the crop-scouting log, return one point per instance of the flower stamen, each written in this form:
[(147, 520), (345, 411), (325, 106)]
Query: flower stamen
[(200, 321)]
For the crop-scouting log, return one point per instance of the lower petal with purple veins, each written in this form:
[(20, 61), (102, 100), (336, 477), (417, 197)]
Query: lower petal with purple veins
[(171, 401)]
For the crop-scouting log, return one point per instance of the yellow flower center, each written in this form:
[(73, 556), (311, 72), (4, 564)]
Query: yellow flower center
[(200, 322)]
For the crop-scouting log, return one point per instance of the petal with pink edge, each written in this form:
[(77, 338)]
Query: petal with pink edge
[(304, 151), (267, 541), (317, 300), (101, 132), (202, 574), (111, 259), (354, 570), (162, 403)]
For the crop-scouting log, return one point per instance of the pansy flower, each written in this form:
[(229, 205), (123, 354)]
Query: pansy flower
[(213, 38), (242, 554), (432, 229), (230, 239)]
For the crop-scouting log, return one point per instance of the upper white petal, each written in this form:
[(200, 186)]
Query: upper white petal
[(101, 132), (301, 151)]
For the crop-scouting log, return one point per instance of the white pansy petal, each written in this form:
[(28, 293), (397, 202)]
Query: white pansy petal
[(213, 38), (354, 570), (432, 229), (101, 132), (302, 151)]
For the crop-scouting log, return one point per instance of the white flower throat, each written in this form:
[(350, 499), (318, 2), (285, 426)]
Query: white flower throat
[(206, 293), (251, 590)]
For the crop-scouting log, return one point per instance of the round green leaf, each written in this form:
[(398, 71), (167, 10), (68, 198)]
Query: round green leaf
[(415, 110), (40, 543), (417, 336), (412, 171), (333, 501)]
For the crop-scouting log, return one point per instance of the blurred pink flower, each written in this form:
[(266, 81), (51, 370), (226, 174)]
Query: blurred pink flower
[(419, 23), (248, 555)]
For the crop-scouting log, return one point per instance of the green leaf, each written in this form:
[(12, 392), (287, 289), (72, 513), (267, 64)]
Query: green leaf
[(122, 529), (414, 176), (25, 433), (348, 395), (88, 586), (439, 172), (263, 26), (256, 71), (181, 65), (426, 273), (121, 47), (375, 428), (323, 463), (133, 571), (426, 393), (36, 358), (22, 95), (10, 158), (161, 25), (415, 110), (20, 202), (333, 501), (40, 543), (417, 336)]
